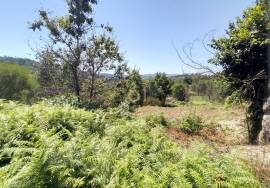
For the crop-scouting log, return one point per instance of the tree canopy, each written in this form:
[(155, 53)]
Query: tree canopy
[(243, 55)]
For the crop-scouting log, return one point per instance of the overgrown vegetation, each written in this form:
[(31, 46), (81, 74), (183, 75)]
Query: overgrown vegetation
[(16, 83), (80, 130), (19, 61), (52, 146), (243, 53), (191, 123)]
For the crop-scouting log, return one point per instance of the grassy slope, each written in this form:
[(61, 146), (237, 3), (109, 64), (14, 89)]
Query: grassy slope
[(49, 146)]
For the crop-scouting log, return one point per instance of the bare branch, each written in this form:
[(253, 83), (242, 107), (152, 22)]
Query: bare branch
[(191, 62), (211, 34)]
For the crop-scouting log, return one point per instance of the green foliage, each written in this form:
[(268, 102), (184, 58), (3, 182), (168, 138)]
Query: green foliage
[(191, 123), (156, 120), (62, 100), (135, 84), (243, 55), (59, 146), (233, 99), (16, 83), (188, 80), (179, 92), (159, 87), (78, 49)]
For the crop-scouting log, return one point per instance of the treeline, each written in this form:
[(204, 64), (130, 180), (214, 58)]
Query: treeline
[(51, 80), (19, 61)]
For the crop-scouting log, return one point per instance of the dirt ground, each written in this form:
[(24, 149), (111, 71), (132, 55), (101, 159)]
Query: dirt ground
[(228, 133)]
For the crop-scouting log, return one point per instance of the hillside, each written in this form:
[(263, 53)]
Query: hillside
[(16, 60)]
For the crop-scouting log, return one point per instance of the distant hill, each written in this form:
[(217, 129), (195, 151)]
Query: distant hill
[(149, 76), (20, 61)]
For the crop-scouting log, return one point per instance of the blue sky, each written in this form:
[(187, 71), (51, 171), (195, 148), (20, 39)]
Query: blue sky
[(145, 29)]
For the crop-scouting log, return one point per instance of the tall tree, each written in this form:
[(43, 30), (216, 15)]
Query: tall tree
[(101, 54), (68, 35), (243, 55)]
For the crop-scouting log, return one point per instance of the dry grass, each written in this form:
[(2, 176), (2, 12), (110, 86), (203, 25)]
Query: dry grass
[(224, 121), (213, 112), (208, 135)]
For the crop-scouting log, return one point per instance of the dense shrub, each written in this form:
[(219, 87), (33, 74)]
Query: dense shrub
[(179, 92), (58, 146), (191, 123), (156, 120), (16, 83)]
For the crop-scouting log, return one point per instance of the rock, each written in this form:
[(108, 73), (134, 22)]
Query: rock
[(264, 137)]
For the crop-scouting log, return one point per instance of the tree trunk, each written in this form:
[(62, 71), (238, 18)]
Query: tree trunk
[(76, 83), (254, 120), (264, 137), (92, 85)]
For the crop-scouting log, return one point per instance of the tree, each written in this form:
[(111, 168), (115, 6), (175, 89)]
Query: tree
[(160, 87), (68, 35), (187, 80), (243, 55), (51, 76), (179, 92), (16, 83), (135, 84), (101, 55)]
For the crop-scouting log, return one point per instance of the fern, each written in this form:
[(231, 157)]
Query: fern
[(59, 146)]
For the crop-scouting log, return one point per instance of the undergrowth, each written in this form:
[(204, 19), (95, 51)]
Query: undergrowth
[(191, 123), (59, 146)]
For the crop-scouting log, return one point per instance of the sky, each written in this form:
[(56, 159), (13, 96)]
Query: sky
[(145, 29)]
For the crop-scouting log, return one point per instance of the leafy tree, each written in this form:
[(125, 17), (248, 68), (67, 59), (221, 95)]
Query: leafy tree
[(52, 76), (16, 83), (135, 84), (102, 53), (115, 89), (243, 55), (188, 80), (69, 37), (179, 92), (160, 87)]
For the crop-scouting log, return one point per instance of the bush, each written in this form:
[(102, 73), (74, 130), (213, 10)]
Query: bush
[(53, 146), (62, 100), (191, 123), (179, 92), (16, 83), (156, 120)]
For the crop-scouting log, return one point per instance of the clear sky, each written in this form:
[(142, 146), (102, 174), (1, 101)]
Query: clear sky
[(145, 29)]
